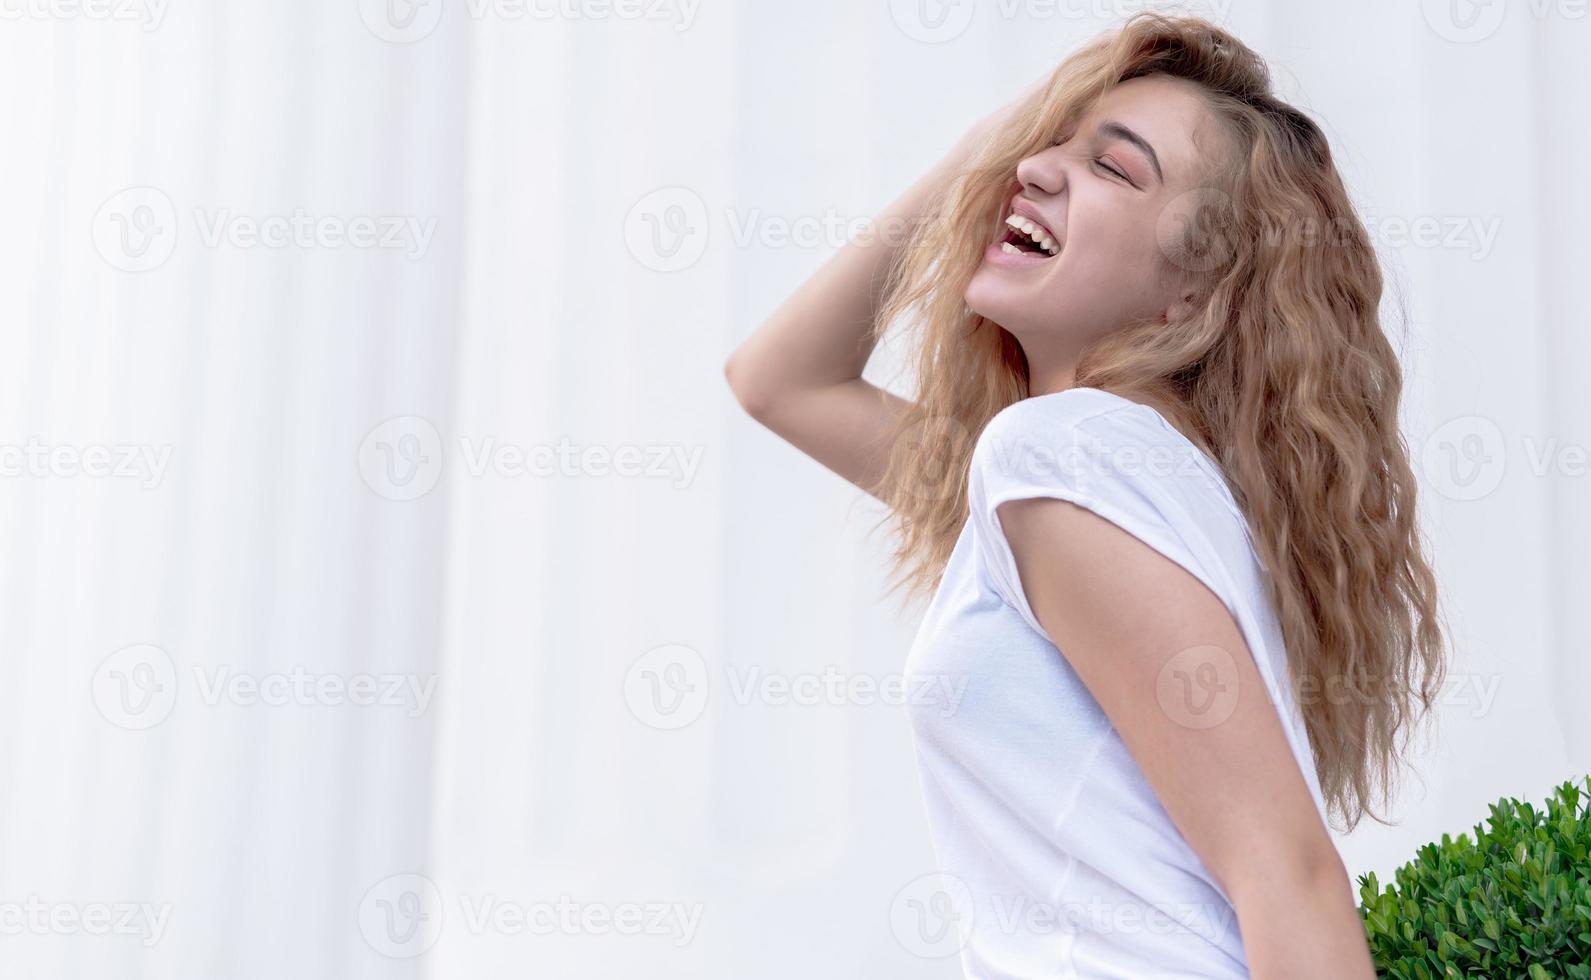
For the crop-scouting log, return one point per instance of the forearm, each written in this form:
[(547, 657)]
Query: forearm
[(822, 334), (1304, 928)]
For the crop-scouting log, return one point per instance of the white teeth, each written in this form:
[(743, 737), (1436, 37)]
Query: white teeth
[(1034, 232), (1010, 249)]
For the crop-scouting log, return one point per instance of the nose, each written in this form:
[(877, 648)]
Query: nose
[(1043, 172)]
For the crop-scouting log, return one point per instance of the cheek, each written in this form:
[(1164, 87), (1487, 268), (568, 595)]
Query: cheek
[(1120, 257), (1109, 276), (1109, 242)]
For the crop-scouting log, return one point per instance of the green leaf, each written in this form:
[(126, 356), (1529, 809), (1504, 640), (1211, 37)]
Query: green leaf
[(1511, 900)]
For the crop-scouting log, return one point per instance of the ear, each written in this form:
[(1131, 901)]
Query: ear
[(1180, 308)]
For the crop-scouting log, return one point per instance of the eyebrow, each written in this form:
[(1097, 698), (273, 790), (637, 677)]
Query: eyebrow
[(1116, 130)]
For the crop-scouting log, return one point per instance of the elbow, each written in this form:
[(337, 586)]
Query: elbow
[(1308, 871), (752, 395)]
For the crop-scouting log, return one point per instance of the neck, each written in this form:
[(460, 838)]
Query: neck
[(1050, 374), (1049, 378)]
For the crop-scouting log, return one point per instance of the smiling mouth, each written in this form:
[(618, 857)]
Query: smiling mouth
[(1025, 237)]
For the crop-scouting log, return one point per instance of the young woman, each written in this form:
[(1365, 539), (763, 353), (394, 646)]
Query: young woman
[(1153, 477)]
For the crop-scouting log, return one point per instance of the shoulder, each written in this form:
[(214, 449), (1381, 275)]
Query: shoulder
[(1118, 462), (1101, 451), (1054, 414), (1081, 438), (1046, 422)]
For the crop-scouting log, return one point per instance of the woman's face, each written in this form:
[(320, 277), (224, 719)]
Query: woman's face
[(1102, 202)]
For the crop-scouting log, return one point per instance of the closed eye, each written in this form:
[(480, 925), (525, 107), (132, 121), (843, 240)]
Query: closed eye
[(1101, 164)]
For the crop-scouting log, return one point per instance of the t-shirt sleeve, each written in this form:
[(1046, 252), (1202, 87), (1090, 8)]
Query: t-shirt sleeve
[(1112, 462)]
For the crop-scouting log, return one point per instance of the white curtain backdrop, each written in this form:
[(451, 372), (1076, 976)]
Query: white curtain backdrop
[(389, 583)]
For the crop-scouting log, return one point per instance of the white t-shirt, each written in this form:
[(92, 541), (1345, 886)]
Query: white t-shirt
[(1058, 857)]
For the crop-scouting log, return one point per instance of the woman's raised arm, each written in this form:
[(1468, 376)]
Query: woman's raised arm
[(800, 372)]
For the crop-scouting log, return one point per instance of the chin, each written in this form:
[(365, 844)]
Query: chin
[(992, 302)]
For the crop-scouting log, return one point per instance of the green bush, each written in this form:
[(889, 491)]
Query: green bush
[(1514, 902)]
